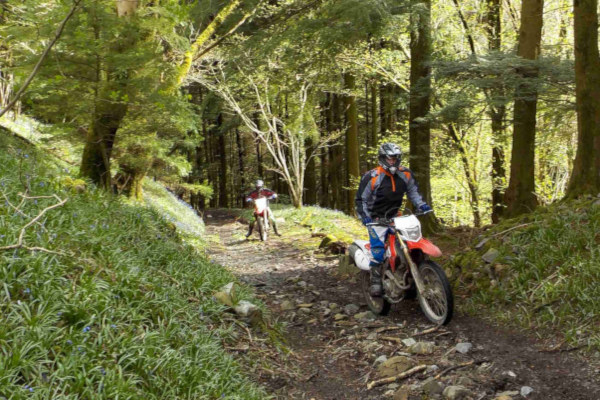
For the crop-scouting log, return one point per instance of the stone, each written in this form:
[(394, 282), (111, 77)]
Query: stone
[(388, 393), (408, 342), (490, 256), (365, 316), (526, 391), (463, 348), (351, 309), (372, 336), (346, 266), (304, 311), (482, 243), (422, 348), (327, 312), (394, 366), (509, 393), (431, 386), (393, 386), (302, 284), (293, 279), (432, 368), (248, 310), (226, 295), (339, 317), (287, 305), (381, 359), (456, 393), (333, 306), (401, 394), (464, 381)]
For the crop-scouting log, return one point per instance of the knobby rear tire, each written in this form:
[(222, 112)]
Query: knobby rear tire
[(378, 305)]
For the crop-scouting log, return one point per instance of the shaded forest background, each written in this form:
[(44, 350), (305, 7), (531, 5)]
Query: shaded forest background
[(495, 102)]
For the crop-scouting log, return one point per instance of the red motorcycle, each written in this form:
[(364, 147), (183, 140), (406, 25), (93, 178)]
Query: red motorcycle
[(407, 270), (261, 213)]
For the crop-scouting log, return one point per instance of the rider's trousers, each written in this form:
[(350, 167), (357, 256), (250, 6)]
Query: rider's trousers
[(377, 237)]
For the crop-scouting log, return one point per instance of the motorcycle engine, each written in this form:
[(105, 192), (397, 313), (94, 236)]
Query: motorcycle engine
[(393, 291)]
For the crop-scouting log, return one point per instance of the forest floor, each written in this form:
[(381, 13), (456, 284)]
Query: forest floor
[(336, 347)]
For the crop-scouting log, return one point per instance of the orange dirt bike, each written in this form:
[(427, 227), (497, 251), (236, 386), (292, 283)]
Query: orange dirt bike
[(262, 212), (407, 270)]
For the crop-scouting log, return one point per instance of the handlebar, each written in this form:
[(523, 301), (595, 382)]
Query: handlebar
[(389, 221)]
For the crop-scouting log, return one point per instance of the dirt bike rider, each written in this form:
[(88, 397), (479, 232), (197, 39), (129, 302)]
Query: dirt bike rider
[(380, 195), (261, 191)]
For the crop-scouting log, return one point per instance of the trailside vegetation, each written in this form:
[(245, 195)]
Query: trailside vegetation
[(101, 297)]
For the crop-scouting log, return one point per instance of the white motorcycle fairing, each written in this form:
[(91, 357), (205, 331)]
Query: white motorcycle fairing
[(360, 254)]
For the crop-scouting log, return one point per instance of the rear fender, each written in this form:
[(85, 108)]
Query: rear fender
[(359, 252), (426, 247)]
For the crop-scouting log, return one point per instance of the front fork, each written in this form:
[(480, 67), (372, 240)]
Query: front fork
[(414, 269)]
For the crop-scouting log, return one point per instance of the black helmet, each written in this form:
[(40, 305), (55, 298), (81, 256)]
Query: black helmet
[(386, 151)]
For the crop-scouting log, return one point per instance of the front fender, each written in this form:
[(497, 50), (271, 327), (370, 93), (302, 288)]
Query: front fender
[(426, 247)]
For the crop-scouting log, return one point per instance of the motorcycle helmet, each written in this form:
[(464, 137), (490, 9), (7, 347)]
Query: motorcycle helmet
[(389, 156), (260, 184)]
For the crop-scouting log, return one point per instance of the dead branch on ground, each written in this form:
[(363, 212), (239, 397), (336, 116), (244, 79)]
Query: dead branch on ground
[(396, 378)]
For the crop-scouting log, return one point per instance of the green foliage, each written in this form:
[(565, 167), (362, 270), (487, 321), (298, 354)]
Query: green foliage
[(544, 273), (125, 312), (102, 58)]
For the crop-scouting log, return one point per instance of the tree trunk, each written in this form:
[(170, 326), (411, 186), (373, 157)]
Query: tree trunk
[(108, 112), (310, 178), (136, 191), (471, 179), (95, 161), (352, 163), (520, 195), (324, 200), (386, 110), (585, 178), (374, 122), (497, 112), (240, 147), (420, 93), (223, 173), (335, 155)]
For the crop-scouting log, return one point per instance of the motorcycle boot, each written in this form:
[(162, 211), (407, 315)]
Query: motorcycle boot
[(250, 229), (376, 289), (275, 228)]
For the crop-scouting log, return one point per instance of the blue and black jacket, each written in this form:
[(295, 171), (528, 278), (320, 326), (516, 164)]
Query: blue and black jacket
[(380, 193)]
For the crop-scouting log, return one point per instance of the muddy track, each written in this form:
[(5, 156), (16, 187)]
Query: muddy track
[(337, 348)]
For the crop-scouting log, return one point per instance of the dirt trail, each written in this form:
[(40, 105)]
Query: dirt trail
[(335, 353)]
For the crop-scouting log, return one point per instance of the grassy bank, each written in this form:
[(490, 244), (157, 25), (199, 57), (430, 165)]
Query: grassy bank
[(113, 304), (541, 271)]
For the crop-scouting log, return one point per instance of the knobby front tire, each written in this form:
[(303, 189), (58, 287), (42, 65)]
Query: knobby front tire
[(436, 300)]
